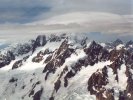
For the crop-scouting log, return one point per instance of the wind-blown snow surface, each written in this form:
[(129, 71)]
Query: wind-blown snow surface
[(75, 91), (19, 83), (24, 74)]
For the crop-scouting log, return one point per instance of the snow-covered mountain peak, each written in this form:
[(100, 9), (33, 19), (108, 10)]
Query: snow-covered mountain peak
[(117, 42), (67, 67), (129, 43)]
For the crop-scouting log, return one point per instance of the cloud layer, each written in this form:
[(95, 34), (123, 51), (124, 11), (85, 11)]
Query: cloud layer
[(105, 23), (27, 19), (18, 11)]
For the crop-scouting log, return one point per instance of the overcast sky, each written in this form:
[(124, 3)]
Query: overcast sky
[(24, 11), (29, 17)]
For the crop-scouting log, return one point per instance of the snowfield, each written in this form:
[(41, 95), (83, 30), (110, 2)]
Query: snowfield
[(29, 81)]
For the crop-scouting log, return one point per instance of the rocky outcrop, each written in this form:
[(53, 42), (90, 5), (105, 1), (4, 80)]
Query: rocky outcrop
[(57, 85), (13, 80), (38, 58), (84, 42), (56, 38), (58, 58), (103, 81), (117, 42), (127, 94), (51, 98), (22, 49), (119, 57), (129, 43), (40, 55), (96, 53), (48, 59), (19, 63), (38, 94), (6, 58), (69, 74), (98, 81), (40, 41)]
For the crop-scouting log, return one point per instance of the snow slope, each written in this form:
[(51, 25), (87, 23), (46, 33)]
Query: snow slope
[(65, 69)]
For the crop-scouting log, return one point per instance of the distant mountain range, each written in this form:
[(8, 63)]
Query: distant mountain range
[(67, 67)]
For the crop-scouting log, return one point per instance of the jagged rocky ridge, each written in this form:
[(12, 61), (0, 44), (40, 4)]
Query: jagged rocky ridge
[(61, 68)]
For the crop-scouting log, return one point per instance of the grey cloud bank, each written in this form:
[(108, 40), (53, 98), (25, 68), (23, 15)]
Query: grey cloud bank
[(20, 11), (27, 19)]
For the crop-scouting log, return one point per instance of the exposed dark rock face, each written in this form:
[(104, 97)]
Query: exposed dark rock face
[(99, 80), (129, 43), (40, 56), (96, 84), (56, 38), (58, 58), (13, 80), (119, 57), (38, 94), (129, 89), (11, 54), (123, 96), (48, 59), (31, 93), (119, 54), (57, 85), (113, 45), (70, 74), (117, 42), (40, 41), (6, 58), (83, 42), (96, 53), (129, 46), (23, 86), (23, 48), (25, 58), (17, 64), (51, 98), (47, 51)]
